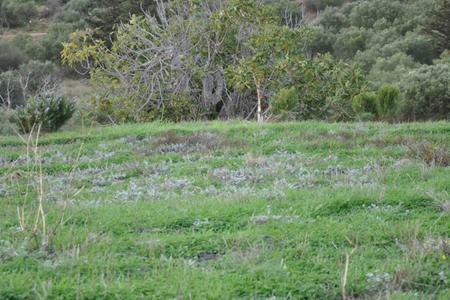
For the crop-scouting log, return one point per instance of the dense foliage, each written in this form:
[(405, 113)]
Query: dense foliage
[(438, 26), (14, 13), (185, 60), (206, 56), (47, 111), (228, 71), (427, 93)]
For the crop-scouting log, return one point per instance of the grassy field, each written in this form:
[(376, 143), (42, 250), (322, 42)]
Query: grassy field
[(228, 210)]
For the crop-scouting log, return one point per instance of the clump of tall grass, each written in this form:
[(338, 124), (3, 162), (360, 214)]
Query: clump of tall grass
[(431, 154), (32, 216)]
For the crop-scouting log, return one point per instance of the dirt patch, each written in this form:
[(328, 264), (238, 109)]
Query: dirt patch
[(208, 256), (172, 142), (33, 35), (342, 135)]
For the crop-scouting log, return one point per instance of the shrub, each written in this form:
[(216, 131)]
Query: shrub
[(332, 19), (438, 26), (390, 69), (123, 109), (388, 97), (27, 45), (419, 47), (118, 109), (50, 46), (365, 105), (322, 4), (75, 12), (50, 111), (426, 93), (285, 100), (10, 56), (6, 127), (104, 15), (320, 41), (349, 41), (381, 104), (432, 154), (15, 13), (366, 13), (325, 88), (180, 108)]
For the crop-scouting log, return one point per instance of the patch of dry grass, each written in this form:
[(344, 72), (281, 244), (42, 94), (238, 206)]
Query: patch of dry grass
[(432, 154)]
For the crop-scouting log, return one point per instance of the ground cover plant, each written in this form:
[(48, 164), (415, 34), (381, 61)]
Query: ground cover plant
[(228, 210)]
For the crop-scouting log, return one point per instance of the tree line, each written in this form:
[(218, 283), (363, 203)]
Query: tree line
[(266, 60)]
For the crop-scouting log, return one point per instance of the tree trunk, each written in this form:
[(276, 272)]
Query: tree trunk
[(213, 89), (259, 115)]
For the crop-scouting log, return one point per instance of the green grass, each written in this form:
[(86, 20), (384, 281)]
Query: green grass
[(231, 210)]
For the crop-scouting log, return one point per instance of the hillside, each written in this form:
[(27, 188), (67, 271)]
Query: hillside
[(228, 210)]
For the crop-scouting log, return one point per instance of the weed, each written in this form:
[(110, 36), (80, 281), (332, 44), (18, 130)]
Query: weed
[(171, 142), (434, 155)]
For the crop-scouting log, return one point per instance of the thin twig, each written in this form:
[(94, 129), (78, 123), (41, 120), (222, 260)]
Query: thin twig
[(345, 275)]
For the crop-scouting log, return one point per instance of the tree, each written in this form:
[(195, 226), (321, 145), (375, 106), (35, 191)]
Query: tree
[(152, 60), (15, 13), (273, 49), (217, 58), (11, 57), (426, 93), (325, 88), (438, 25), (104, 15), (181, 52)]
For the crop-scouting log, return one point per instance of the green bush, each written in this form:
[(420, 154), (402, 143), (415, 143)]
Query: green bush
[(365, 105), (325, 88), (6, 126), (178, 109), (50, 46), (285, 100), (322, 4), (104, 15), (388, 97), (438, 27), (320, 41), (382, 104), (75, 12), (27, 45), (14, 13), (390, 69), (350, 41), (366, 13), (419, 47), (49, 111), (426, 93), (11, 56), (332, 19)]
